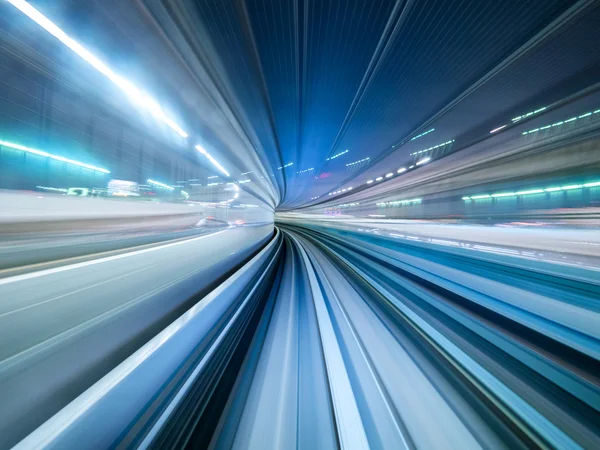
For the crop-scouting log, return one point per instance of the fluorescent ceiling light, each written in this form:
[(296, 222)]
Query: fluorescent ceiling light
[(402, 169), (423, 161), (387, 175), (531, 191), (498, 129), (212, 160), (378, 178), (369, 182), (51, 156), (126, 86)]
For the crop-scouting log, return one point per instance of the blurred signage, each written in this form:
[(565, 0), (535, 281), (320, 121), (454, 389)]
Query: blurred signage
[(123, 188)]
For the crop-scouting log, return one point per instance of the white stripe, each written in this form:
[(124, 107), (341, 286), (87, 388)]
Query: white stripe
[(41, 273)]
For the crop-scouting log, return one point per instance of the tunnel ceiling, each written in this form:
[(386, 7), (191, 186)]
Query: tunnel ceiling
[(360, 78), (326, 95)]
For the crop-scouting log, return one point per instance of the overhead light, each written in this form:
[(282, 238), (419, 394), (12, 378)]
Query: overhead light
[(283, 167), (402, 169), (378, 178), (411, 166), (573, 186), (369, 182), (158, 183), (433, 148), (337, 155), (423, 161), (214, 176), (387, 175), (504, 194), (212, 160), (357, 162), (126, 86), (531, 191), (246, 173), (51, 156), (422, 134), (498, 129), (350, 188)]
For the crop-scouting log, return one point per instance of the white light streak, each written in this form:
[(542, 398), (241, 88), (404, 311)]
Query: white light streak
[(51, 156), (125, 85), (212, 160)]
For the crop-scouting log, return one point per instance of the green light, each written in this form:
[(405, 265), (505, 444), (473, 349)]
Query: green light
[(571, 119), (573, 186), (585, 115), (51, 156), (476, 197), (532, 191), (597, 183), (506, 194), (553, 189), (466, 198)]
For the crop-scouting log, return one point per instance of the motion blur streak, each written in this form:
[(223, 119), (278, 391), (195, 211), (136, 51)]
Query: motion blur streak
[(381, 232)]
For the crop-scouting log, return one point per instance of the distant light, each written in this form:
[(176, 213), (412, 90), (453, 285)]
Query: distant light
[(126, 86), (532, 191), (422, 134), (498, 129), (350, 188), (53, 189), (529, 114), (411, 167), (212, 184), (246, 173), (357, 162), (537, 191), (376, 215), (387, 175), (423, 161), (305, 170), (244, 181), (337, 155), (51, 156), (283, 167), (432, 148), (378, 178), (369, 182), (185, 194), (212, 160), (158, 183), (402, 169), (214, 176)]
